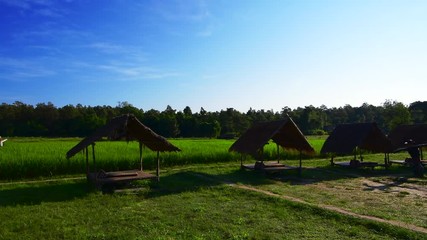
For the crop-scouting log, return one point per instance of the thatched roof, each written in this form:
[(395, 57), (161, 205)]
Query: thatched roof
[(404, 133), (346, 137), (285, 133), (129, 127)]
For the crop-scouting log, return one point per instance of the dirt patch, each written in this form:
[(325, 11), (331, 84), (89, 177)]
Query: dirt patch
[(395, 186), (323, 206)]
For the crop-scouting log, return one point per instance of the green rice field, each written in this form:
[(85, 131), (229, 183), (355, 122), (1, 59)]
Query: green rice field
[(44, 157)]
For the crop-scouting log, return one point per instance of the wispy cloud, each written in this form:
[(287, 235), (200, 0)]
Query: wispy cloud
[(189, 15), (23, 70), (179, 10), (106, 47), (45, 8), (134, 72)]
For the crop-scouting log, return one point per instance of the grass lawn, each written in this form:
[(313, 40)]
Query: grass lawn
[(180, 206), (184, 205)]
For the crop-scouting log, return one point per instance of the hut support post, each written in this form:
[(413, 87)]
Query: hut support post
[(93, 156), (278, 153), (87, 162), (140, 154), (300, 163), (241, 160), (262, 154), (158, 167), (332, 160), (386, 163)]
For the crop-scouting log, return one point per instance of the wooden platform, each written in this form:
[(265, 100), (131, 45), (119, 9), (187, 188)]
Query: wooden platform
[(101, 178), (359, 165), (269, 167), (405, 163)]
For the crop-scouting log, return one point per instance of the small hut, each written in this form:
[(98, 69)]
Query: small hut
[(408, 135), (284, 133), (130, 128), (352, 139)]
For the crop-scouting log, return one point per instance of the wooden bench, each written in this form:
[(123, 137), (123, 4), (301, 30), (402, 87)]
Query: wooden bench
[(269, 167), (118, 178), (358, 164)]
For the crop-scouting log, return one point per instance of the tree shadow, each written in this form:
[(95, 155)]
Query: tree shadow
[(35, 194)]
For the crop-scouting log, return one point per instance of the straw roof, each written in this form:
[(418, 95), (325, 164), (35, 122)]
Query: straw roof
[(129, 127), (347, 137), (403, 133), (285, 133)]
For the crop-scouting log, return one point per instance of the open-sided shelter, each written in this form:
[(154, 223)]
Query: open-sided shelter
[(284, 133), (130, 128), (408, 135), (352, 138)]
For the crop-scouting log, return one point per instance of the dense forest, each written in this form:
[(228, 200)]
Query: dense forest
[(47, 120)]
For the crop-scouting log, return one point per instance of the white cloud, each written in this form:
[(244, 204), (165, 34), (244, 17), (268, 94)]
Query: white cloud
[(23, 70)]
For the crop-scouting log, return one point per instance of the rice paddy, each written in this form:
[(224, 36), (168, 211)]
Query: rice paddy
[(44, 157)]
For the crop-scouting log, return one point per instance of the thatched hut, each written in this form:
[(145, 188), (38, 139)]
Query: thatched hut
[(129, 128), (284, 133), (408, 135), (351, 139)]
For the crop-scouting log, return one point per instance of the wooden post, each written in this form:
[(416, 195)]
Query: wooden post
[(241, 160), (93, 156), (158, 167), (87, 162), (278, 153), (140, 154), (332, 160), (300, 163), (262, 154), (386, 159)]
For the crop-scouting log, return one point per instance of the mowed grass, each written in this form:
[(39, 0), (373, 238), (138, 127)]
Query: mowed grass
[(391, 194), (181, 206), (185, 206)]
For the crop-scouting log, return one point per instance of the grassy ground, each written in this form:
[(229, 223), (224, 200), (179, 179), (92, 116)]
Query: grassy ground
[(184, 205), (180, 206)]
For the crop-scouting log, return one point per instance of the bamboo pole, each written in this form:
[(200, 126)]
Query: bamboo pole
[(87, 162), (158, 167), (300, 163), (140, 154), (93, 156)]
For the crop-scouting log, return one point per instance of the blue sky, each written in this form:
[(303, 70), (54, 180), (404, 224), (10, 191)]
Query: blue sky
[(264, 54)]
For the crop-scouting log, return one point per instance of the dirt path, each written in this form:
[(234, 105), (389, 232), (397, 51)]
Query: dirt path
[(42, 181), (328, 207)]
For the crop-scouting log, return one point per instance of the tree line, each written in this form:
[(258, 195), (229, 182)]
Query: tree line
[(47, 120)]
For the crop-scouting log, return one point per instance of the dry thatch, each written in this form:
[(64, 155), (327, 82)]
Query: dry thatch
[(129, 127), (347, 137), (285, 133), (416, 134)]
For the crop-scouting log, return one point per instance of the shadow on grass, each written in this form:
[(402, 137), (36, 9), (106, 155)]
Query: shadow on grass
[(35, 194), (332, 173), (309, 175)]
